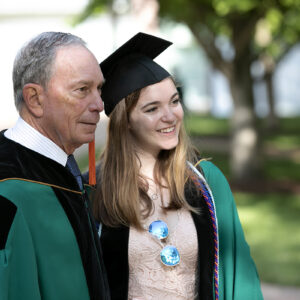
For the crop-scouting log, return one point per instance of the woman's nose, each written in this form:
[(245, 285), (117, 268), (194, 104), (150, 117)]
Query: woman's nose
[(168, 115)]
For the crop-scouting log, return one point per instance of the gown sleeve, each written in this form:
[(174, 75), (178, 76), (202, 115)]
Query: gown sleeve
[(18, 271), (238, 278)]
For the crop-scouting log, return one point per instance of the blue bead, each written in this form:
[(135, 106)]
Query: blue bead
[(159, 229), (170, 256)]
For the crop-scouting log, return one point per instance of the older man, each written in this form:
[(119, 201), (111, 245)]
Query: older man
[(48, 244)]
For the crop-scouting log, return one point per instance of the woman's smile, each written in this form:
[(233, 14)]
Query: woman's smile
[(156, 119), (167, 130)]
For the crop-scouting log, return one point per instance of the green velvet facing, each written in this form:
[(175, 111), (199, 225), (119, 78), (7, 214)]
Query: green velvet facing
[(238, 276), (41, 246)]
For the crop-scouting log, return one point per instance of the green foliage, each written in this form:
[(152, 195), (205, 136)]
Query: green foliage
[(94, 7), (272, 228), (289, 126), (281, 169), (274, 19), (225, 7), (234, 19), (284, 25), (199, 125), (283, 142)]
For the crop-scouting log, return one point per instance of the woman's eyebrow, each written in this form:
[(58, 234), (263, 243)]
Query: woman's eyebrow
[(174, 95), (157, 102), (150, 103)]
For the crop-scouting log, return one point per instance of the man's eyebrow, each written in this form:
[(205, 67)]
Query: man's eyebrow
[(88, 82), (82, 82), (100, 85)]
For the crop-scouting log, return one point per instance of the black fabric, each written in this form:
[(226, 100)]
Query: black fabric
[(131, 67), (115, 256), (19, 162), (7, 214), (142, 43), (205, 236), (114, 242)]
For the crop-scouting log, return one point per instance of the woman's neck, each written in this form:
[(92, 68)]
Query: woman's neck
[(147, 164)]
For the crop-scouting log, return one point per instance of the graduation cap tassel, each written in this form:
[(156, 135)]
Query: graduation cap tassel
[(92, 163)]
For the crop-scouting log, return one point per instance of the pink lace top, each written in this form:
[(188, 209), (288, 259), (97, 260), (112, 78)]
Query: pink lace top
[(148, 277)]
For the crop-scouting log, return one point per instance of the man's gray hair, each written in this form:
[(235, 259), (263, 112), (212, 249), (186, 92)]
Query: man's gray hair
[(33, 63)]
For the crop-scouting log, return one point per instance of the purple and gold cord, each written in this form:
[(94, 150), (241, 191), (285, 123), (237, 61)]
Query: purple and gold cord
[(208, 199)]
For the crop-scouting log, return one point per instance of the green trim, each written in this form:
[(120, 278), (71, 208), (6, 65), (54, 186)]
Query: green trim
[(237, 271), (42, 183), (41, 247)]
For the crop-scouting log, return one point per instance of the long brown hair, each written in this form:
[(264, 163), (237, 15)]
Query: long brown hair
[(121, 187)]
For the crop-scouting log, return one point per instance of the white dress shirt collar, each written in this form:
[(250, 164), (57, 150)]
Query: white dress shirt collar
[(29, 137)]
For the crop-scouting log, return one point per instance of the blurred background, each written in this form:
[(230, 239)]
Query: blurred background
[(237, 67)]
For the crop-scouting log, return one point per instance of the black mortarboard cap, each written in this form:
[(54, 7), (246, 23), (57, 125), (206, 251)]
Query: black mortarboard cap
[(131, 67)]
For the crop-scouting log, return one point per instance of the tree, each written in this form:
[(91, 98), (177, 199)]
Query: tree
[(276, 35), (236, 21)]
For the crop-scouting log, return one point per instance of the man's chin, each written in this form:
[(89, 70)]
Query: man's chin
[(87, 138), (90, 138)]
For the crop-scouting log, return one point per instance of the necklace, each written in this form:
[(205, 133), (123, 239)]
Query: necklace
[(154, 195), (159, 231)]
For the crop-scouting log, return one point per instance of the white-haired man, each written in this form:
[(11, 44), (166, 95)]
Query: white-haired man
[(49, 248)]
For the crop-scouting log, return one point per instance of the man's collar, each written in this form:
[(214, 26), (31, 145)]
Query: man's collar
[(30, 138)]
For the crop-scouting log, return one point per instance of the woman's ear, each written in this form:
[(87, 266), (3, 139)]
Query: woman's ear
[(33, 95)]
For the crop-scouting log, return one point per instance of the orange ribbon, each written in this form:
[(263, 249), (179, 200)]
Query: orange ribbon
[(92, 163)]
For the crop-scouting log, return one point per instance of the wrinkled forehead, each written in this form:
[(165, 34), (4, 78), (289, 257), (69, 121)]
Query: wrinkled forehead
[(75, 60)]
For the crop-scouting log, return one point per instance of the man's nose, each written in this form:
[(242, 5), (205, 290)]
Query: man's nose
[(97, 103)]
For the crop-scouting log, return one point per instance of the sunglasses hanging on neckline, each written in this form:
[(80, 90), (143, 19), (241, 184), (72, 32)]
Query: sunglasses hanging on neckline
[(169, 255)]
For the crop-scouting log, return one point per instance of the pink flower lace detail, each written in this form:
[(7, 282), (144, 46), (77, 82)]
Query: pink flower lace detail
[(148, 277)]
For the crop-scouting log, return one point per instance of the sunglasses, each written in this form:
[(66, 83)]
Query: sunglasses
[(169, 255)]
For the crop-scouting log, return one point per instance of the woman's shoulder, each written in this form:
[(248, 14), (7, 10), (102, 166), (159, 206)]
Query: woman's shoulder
[(208, 167), (212, 173)]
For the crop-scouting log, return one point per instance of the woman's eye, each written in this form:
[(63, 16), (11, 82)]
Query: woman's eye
[(175, 101), (152, 109)]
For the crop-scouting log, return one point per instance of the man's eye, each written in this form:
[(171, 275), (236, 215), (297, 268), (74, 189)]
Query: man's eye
[(82, 89)]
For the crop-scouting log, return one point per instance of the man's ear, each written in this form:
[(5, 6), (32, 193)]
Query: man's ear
[(33, 95)]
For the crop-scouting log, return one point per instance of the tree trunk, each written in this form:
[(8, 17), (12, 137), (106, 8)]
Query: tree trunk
[(272, 119), (245, 159)]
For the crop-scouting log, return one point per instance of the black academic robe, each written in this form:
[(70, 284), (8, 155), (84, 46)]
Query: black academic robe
[(237, 275), (115, 252), (49, 247)]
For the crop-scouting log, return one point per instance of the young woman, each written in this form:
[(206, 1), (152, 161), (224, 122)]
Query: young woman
[(170, 228)]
